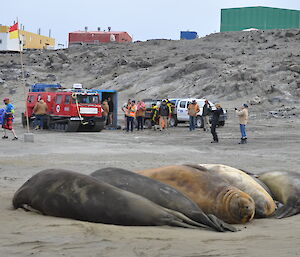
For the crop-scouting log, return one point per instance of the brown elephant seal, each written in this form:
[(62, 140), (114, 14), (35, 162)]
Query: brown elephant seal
[(264, 203), (68, 194), (285, 187), (210, 191), (159, 193)]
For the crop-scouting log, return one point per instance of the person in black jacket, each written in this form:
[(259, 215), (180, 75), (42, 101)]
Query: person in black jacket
[(111, 111), (205, 114), (215, 120), (164, 112)]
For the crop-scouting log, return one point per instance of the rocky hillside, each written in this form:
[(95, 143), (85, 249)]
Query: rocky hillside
[(261, 67)]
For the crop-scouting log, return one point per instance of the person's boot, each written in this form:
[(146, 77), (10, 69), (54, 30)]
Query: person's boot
[(242, 141)]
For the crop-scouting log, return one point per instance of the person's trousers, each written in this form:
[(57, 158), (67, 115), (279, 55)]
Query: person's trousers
[(192, 122), (214, 132), (206, 124), (163, 122), (140, 121), (39, 120), (243, 130), (129, 125)]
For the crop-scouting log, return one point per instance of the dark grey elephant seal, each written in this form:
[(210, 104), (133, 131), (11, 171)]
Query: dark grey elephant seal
[(73, 195), (159, 193), (285, 188)]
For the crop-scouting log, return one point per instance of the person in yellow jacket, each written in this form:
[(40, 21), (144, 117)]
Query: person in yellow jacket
[(155, 116), (130, 112), (243, 119), (193, 109)]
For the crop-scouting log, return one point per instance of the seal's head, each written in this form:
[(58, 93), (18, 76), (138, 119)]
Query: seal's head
[(240, 206)]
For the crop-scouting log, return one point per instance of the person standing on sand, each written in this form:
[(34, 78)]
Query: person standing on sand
[(111, 111), (205, 114), (105, 112), (164, 112), (8, 119), (124, 109), (140, 114), (215, 120), (243, 119), (130, 112), (39, 110), (193, 109)]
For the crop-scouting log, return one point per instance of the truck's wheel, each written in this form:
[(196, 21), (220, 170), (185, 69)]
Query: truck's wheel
[(99, 125), (47, 120), (199, 122), (173, 122), (72, 126), (148, 124)]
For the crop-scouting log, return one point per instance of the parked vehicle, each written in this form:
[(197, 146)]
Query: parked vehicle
[(68, 110), (180, 112)]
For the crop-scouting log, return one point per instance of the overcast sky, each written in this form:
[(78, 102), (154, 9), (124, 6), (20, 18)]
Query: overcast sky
[(142, 19)]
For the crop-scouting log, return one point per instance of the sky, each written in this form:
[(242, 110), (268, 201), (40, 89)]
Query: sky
[(143, 20)]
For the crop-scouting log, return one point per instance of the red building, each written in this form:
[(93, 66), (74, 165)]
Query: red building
[(96, 37)]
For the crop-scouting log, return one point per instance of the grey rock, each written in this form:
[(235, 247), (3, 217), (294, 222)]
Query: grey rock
[(12, 91)]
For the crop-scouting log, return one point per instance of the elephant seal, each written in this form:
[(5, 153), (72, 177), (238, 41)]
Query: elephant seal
[(68, 194), (285, 186), (210, 191), (264, 203), (159, 193)]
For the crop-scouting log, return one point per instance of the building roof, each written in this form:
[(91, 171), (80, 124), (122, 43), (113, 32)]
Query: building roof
[(99, 32), (259, 6)]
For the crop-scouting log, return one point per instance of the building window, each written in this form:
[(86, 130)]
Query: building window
[(40, 41), (0, 41)]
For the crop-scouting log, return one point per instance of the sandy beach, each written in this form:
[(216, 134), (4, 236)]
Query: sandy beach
[(273, 145)]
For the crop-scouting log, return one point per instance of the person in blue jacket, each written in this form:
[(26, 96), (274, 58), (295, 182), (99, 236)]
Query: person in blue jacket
[(8, 119)]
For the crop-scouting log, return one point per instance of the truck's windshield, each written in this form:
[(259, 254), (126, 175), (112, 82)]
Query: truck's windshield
[(87, 99)]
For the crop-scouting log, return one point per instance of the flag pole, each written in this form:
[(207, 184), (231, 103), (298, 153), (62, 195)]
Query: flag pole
[(23, 76)]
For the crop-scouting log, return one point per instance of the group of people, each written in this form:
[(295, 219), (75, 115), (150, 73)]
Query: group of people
[(161, 115), (193, 109), (108, 110), (134, 110)]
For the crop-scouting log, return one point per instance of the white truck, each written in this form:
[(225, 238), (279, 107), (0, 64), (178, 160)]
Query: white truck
[(180, 112)]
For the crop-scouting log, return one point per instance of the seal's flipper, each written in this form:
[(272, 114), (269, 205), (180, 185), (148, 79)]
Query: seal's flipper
[(221, 225), (292, 207), (184, 219), (286, 211)]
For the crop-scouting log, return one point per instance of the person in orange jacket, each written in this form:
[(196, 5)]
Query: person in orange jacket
[(193, 109), (130, 112)]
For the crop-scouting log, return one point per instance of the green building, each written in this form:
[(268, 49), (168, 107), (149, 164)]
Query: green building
[(259, 17)]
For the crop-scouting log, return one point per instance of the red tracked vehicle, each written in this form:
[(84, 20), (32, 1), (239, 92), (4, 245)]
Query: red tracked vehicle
[(68, 110)]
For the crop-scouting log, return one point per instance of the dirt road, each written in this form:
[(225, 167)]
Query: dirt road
[(273, 145)]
